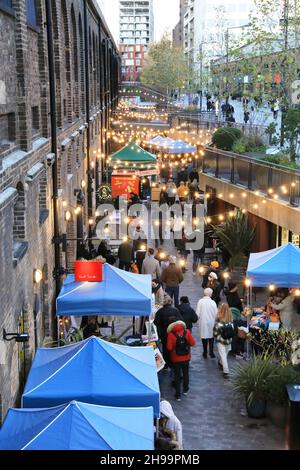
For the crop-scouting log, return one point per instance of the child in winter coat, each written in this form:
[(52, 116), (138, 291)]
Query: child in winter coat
[(223, 334), (179, 341)]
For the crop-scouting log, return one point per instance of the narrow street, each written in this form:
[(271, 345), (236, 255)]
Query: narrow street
[(212, 418)]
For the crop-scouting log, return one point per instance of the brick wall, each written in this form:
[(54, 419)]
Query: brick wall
[(26, 178)]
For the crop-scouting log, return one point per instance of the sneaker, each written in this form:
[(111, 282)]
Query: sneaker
[(194, 274), (185, 393), (212, 355), (225, 375), (177, 398), (220, 365), (204, 355), (239, 356)]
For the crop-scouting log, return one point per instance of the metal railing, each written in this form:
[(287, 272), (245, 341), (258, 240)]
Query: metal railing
[(274, 181)]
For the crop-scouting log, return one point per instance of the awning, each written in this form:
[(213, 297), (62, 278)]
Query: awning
[(93, 371), (120, 294), (280, 267), (133, 153), (78, 426)]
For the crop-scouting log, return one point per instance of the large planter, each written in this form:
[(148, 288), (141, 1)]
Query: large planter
[(256, 409), (277, 414)]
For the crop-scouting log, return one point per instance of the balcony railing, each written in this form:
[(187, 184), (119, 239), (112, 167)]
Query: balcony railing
[(274, 181)]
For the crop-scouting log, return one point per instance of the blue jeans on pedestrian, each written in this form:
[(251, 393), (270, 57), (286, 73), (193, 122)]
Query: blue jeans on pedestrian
[(197, 257), (173, 292)]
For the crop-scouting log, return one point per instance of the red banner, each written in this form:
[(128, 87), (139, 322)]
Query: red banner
[(88, 271), (124, 185)]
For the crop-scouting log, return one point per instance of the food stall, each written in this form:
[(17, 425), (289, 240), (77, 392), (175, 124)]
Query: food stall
[(273, 269), (131, 165)]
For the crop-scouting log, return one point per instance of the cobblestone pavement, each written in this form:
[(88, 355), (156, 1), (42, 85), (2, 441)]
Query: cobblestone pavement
[(211, 417)]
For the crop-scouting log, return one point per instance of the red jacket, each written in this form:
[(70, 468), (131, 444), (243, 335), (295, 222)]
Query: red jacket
[(178, 327)]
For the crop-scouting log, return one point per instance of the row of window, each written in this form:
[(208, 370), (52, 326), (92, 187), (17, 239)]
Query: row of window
[(30, 10)]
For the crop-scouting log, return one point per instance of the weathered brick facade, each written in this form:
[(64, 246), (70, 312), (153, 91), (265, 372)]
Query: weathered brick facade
[(26, 185)]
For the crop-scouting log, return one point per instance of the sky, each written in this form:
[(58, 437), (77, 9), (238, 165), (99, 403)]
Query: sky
[(166, 16)]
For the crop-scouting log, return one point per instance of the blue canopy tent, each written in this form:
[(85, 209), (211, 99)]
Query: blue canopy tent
[(93, 371), (121, 293), (161, 142), (180, 146), (78, 426), (280, 267)]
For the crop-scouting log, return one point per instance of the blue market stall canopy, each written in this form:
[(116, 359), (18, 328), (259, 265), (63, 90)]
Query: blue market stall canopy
[(93, 371), (280, 267), (78, 426), (180, 146), (120, 293), (161, 142)]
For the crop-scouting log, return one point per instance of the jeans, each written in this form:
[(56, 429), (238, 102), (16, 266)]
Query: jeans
[(209, 342), (123, 264), (173, 292), (223, 350), (196, 259), (181, 367)]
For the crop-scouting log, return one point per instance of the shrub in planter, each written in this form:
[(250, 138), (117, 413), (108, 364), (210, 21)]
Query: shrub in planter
[(225, 137), (239, 146), (251, 381), (277, 396), (237, 133)]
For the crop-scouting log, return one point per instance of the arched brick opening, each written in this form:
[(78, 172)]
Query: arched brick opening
[(76, 97), (19, 228), (81, 60), (67, 99)]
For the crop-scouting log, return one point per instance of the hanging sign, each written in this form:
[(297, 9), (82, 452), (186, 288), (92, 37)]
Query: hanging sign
[(104, 192), (124, 185), (88, 271)]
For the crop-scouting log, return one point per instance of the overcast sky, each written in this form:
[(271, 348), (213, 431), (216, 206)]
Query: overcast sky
[(166, 16)]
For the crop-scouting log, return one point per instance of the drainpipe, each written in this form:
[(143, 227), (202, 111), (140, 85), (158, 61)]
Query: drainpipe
[(87, 104), (57, 266)]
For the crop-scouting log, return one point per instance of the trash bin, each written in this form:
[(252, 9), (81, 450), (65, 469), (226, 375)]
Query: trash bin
[(293, 429)]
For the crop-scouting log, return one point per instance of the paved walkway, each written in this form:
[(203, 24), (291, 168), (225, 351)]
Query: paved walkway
[(212, 418)]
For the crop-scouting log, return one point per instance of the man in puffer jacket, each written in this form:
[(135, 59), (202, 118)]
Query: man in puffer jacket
[(179, 341)]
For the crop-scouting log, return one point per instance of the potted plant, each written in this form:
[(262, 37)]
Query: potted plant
[(277, 396), (251, 381), (235, 238)]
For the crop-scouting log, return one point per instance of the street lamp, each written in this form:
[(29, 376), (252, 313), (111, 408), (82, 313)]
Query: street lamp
[(227, 49)]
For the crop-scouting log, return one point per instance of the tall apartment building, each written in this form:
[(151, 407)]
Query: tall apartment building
[(202, 28), (178, 31), (136, 34)]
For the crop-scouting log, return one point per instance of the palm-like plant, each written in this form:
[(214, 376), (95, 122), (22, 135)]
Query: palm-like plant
[(251, 379), (235, 236)]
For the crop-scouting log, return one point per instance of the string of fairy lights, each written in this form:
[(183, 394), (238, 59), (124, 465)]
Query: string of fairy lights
[(122, 134)]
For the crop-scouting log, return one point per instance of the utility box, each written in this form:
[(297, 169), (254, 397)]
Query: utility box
[(293, 430)]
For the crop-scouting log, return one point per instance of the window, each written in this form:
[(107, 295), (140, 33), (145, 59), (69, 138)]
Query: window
[(6, 3), (31, 12), (35, 119)]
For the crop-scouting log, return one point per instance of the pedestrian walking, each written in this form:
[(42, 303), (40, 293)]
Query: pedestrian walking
[(223, 334), (125, 254), (206, 312), (151, 265), (188, 314), (171, 191), (163, 318), (179, 342), (214, 284), (172, 277), (158, 292), (171, 421)]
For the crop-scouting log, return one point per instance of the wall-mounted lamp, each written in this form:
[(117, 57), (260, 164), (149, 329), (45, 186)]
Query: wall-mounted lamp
[(37, 276), (83, 184), (68, 216), (18, 337)]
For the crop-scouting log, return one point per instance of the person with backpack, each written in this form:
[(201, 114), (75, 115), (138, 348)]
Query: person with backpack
[(163, 318), (223, 334), (179, 342)]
